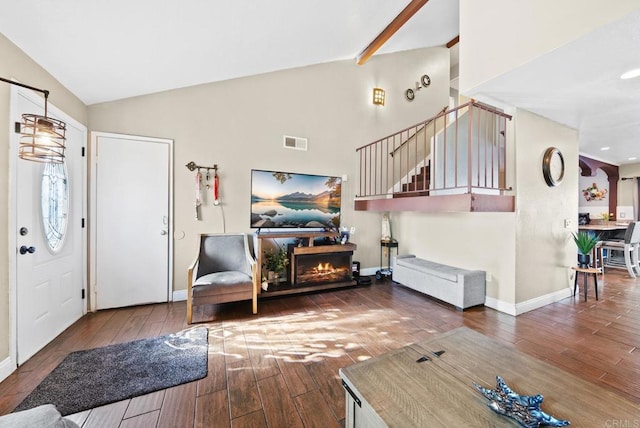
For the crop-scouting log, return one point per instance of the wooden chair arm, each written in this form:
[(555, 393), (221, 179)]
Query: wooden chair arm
[(191, 272)]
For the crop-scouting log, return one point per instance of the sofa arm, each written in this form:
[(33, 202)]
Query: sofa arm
[(42, 416)]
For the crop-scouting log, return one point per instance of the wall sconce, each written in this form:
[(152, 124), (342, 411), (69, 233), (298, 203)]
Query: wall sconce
[(42, 139), (378, 96)]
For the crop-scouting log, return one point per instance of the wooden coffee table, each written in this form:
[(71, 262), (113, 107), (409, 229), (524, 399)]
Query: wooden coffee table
[(397, 391)]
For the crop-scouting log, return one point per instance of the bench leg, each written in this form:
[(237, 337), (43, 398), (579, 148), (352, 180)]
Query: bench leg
[(586, 281), (595, 279), (575, 283)]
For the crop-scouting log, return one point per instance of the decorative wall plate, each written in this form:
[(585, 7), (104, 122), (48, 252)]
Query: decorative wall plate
[(424, 82)]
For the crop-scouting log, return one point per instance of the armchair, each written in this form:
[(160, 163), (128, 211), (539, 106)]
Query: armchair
[(224, 271)]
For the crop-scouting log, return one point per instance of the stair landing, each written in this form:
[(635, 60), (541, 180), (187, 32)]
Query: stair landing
[(468, 202)]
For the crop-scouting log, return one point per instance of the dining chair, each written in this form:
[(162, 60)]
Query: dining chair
[(629, 247)]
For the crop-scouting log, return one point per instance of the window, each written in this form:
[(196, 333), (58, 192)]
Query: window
[(55, 204)]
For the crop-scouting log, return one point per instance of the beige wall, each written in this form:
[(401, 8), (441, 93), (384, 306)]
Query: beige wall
[(239, 125), (527, 254), (16, 65), (484, 241), (625, 187), (500, 35), (544, 249), (629, 170)]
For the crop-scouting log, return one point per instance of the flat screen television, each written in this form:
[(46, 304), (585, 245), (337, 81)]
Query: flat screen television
[(294, 201)]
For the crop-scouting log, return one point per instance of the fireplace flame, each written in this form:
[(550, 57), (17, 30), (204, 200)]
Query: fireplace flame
[(319, 271), (324, 267)]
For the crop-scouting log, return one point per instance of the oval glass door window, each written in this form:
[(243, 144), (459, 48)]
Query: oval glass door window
[(55, 204)]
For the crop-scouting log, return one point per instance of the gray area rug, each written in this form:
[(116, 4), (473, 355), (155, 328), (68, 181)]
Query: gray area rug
[(92, 378)]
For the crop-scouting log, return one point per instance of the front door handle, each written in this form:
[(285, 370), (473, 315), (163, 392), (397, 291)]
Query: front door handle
[(24, 250)]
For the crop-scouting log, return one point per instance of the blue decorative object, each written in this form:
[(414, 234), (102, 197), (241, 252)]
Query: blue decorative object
[(524, 409)]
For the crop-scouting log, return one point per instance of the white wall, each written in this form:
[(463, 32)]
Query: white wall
[(239, 125), (497, 36)]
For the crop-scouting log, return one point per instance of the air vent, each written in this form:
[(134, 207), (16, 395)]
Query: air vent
[(295, 143)]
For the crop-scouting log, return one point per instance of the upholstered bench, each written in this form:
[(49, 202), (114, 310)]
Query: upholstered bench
[(460, 287)]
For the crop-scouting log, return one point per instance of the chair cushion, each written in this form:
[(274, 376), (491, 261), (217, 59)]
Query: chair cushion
[(219, 283), (449, 273)]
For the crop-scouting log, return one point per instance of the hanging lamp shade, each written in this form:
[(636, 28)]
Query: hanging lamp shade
[(42, 139)]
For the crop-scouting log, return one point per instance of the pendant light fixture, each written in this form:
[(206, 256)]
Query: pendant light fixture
[(42, 138)]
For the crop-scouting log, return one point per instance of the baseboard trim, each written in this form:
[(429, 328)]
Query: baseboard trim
[(529, 305), (500, 306), (541, 301), (7, 366), (179, 295)]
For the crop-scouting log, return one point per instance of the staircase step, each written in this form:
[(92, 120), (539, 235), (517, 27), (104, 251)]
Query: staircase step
[(415, 186)]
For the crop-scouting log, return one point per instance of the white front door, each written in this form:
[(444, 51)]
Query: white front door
[(49, 256), (131, 221)]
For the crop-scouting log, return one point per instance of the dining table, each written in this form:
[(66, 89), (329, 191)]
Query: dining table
[(606, 230)]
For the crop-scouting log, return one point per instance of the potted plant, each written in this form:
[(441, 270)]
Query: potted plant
[(586, 242), (276, 261)]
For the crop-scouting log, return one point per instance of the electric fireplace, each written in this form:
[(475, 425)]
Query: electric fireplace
[(321, 268)]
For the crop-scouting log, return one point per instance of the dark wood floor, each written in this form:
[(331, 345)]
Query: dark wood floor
[(280, 368)]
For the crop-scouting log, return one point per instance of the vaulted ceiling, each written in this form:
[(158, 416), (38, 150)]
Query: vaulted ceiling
[(103, 51), (107, 50)]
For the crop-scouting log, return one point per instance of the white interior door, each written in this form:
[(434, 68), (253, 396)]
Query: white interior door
[(49, 258), (132, 219)]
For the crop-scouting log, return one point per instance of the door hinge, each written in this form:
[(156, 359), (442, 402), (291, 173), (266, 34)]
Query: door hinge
[(83, 152), (83, 223), (16, 127), (83, 294)]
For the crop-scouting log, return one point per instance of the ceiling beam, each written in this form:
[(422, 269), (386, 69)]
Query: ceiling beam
[(390, 30)]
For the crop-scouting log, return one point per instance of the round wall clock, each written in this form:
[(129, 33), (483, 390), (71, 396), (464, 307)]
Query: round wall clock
[(553, 166)]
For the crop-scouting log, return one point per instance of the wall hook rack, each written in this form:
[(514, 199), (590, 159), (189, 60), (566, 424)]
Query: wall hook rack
[(192, 167)]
